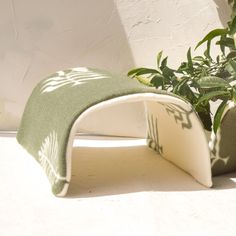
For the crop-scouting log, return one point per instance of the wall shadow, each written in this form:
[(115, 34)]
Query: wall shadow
[(104, 37), (223, 10), (41, 37)]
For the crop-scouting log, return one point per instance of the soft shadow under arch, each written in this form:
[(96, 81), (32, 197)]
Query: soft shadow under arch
[(179, 148), (120, 170)]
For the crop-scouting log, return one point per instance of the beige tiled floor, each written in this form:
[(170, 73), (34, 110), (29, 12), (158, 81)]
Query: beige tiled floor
[(114, 191)]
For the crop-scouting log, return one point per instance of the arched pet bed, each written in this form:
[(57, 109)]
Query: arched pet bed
[(59, 104)]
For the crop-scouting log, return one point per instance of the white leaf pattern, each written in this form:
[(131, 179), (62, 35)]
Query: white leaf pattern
[(153, 136), (73, 77), (180, 114), (214, 146), (48, 158)]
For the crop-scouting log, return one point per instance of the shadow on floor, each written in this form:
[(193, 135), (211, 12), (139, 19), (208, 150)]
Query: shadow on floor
[(227, 181), (112, 171)]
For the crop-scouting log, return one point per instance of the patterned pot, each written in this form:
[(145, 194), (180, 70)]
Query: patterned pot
[(223, 143)]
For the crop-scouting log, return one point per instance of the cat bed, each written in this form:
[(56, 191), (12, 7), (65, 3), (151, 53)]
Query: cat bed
[(61, 102)]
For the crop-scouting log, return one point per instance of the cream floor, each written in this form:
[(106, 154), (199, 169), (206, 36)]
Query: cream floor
[(115, 190)]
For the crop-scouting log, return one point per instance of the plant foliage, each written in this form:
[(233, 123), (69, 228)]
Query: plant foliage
[(200, 79)]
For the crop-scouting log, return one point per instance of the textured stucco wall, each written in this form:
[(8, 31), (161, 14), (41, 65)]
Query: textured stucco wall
[(40, 37)]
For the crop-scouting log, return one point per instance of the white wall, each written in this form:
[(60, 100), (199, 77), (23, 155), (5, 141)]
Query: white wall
[(40, 37)]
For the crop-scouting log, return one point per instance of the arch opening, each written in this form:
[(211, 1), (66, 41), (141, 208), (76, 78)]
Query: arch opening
[(169, 125)]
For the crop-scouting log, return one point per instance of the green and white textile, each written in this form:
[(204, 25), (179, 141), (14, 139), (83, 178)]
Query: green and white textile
[(60, 102), (223, 143)]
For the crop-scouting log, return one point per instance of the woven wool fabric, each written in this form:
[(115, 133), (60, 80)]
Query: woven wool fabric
[(57, 102)]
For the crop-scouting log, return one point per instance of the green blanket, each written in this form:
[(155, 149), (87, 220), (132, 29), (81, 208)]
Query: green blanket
[(58, 101)]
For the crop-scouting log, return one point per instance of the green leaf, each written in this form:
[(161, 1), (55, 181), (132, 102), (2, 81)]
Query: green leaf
[(232, 63), (143, 80), (234, 7), (206, 119), (177, 89), (157, 81), (212, 82), (164, 63), (198, 58), (182, 88), (230, 67), (133, 72), (214, 33), (167, 72), (183, 67), (210, 95), (232, 29), (226, 42), (231, 54), (207, 52), (218, 115), (159, 55), (190, 62), (222, 44), (142, 71), (147, 71)]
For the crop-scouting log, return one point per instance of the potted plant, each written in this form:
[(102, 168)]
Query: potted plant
[(202, 80)]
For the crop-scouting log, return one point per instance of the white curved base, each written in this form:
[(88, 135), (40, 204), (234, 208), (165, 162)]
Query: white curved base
[(184, 146)]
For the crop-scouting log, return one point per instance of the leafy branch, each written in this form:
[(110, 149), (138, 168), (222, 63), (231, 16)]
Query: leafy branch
[(200, 79)]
